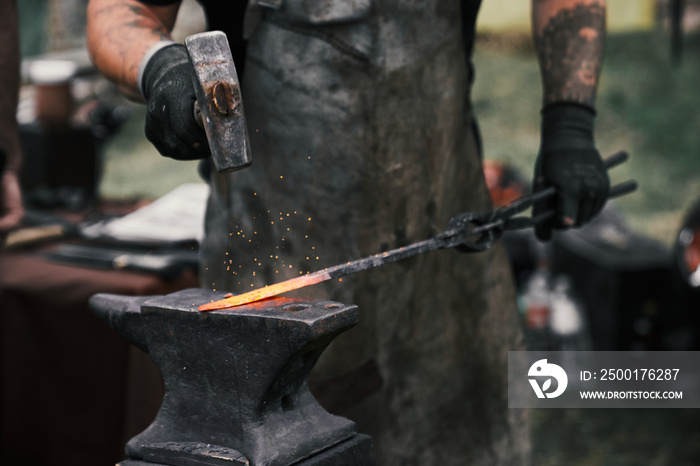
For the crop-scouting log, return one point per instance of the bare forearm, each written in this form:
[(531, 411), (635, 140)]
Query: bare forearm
[(120, 32), (569, 38), (9, 84)]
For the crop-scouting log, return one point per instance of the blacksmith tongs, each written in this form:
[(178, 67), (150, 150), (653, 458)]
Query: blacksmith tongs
[(485, 228)]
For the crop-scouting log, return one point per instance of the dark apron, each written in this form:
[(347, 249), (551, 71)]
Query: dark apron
[(362, 141)]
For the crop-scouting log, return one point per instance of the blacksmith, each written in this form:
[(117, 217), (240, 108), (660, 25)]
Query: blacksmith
[(363, 140)]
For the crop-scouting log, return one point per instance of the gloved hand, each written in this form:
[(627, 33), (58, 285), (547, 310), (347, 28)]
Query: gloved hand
[(569, 161), (168, 88)]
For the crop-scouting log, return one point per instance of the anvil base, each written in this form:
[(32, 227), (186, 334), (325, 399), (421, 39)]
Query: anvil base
[(356, 451)]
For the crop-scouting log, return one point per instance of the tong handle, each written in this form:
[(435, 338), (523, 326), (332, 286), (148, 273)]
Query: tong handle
[(518, 223), (616, 159), (618, 190), (615, 191), (490, 226)]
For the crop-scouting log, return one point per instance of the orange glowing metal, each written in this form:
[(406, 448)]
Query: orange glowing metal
[(268, 291)]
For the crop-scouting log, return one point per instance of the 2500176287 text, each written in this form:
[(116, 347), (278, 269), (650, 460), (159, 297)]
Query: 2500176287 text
[(631, 374)]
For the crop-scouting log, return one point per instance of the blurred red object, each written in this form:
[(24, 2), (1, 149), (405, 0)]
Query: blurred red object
[(692, 251), (504, 183)]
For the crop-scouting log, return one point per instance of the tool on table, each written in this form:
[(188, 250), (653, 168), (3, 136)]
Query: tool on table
[(38, 227), (486, 227), (166, 263), (219, 106)]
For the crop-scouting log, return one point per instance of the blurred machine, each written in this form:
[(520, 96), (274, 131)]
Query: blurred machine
[(62, 138), (626, 284), (687, 264)]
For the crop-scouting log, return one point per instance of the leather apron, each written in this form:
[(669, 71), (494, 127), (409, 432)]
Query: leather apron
[(362, 141)]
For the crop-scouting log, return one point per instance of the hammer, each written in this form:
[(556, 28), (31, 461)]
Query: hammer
[(219, 107)]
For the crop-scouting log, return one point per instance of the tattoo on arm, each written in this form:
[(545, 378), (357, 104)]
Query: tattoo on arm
[(120, 32), (570, 51), (144, 21)]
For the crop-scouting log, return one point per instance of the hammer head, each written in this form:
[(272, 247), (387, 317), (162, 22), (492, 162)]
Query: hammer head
[(219, 100)]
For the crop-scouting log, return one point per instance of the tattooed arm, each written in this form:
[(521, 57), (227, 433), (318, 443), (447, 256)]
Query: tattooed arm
[(120, 32), (569, 37)]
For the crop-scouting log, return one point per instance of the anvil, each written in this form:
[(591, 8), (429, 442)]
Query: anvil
[(235, 381)]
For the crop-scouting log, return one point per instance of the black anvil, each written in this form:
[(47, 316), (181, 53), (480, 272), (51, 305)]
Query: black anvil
[(235, 380)]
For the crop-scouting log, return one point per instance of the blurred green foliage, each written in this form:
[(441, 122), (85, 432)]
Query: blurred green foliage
[(133, 168), (33, 17)]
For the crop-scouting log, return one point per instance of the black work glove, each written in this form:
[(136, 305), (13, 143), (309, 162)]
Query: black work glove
[(170, 123), (569, 161)]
